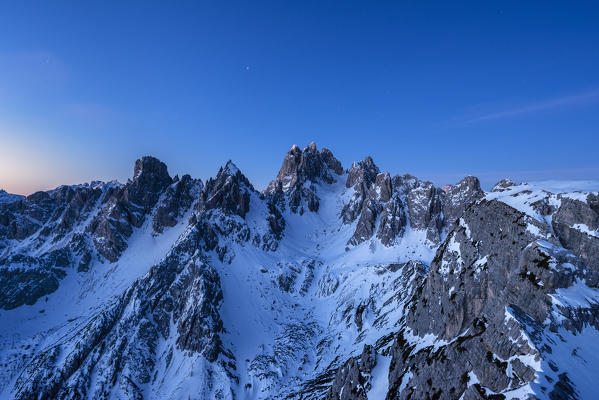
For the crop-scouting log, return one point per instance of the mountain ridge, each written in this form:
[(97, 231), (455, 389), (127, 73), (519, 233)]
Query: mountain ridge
[(318, 286)]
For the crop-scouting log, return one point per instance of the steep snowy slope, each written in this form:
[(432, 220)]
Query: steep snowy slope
[(333, 283)]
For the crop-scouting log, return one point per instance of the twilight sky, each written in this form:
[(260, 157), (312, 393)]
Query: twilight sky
[(493, 89)]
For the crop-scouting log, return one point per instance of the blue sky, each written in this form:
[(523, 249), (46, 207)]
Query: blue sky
[(492, 89)]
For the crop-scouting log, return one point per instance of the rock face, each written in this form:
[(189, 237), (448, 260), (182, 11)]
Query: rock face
[(82, 223), (177, 299), (177, 199), (395, 203), (576, 224), (487, 306), (330, 284), (229, 191), (150, 178), (351, 381), (473, 281), (127, 207), (301, 169), (459, 197)]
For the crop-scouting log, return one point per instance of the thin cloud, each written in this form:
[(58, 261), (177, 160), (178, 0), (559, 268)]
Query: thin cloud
[(541, 106)]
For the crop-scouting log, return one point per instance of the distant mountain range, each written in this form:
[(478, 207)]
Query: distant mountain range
[(333, 283)]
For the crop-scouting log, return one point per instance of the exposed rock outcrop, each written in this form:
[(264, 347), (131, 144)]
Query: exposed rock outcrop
[(176, 200), (352, 381), (83, 223), (576, 224), (229, 191), (394, 203), (484, 319), (460, 196), (119, 345), (126, 207), (301, 169)]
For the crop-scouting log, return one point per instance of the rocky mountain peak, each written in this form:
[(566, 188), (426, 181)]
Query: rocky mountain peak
[(329, 159), (150, 178), (300, 169), (460, 196), (149, 167), (230, 172), (393, 289), (469, 183), (230, 168), (503, 185), (308, 165), (230, 191), (9, 197), (128, 206), (362, 172)]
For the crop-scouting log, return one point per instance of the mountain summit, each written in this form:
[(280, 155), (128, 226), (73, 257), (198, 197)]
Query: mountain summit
[(333, 283)]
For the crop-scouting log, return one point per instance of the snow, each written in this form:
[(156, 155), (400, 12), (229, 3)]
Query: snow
[(405, 379), (272, 332), (472, 378), (453, 246), (231, 168), (579, 295), (479, 264), (578, 356), (533, 229), (283, 337), (423, 342), (466, 227), (586, 229), (380, 378), (521, 197), (558, 186), (81, 296), (9, 197)]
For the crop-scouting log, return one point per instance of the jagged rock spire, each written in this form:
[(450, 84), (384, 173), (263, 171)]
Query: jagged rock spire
[(230, 191), (362, 172), (460, 196), (300, 166), (150, 178), (503, 185)]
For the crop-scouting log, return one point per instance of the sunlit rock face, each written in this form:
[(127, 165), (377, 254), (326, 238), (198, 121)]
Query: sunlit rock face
[(332, 283)]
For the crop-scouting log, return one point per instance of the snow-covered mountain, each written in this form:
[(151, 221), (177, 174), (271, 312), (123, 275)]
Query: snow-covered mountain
[(9, 197), (333, 283)]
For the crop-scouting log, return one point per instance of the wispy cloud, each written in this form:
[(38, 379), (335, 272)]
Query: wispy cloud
[(580, 98)]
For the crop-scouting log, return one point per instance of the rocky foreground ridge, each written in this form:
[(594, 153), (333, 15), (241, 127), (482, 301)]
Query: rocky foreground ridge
[(332, 283)]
